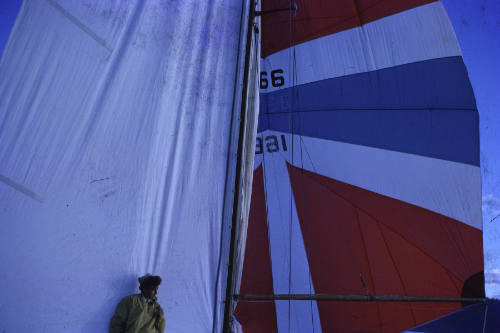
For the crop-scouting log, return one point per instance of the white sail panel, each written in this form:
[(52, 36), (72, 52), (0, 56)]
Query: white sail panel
[(117, 142)]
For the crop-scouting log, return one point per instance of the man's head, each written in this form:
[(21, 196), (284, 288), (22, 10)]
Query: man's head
[(148, 284)]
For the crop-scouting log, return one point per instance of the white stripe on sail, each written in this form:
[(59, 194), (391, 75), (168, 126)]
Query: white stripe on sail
[(418, 34), (278, 188), (448, 188)]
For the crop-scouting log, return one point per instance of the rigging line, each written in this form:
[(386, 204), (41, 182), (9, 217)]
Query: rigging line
[(277, 196), (307, 238), (396, 268), (368, 262), (266, 195), (239, 160), (266, 192), (281, 214), (270, 170), (485, 316), (274, 173), (306, 222), (306, 235), (290, 121)]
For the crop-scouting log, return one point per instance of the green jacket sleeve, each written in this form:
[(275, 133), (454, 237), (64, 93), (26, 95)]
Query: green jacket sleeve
[(160, 325), (119, 319)]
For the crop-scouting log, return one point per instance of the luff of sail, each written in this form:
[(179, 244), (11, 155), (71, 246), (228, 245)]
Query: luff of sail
[(368, 146)]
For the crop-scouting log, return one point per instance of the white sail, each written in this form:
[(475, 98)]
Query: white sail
[(118, 131)]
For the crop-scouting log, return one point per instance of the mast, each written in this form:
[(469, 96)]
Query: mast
[(238, 177)]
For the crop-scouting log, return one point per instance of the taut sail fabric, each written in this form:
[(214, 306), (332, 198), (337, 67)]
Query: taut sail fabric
[(118, 131), (367, 174)]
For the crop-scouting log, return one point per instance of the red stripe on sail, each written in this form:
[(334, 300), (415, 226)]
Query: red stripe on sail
[(396, 247), (316, 19), (257, 317)]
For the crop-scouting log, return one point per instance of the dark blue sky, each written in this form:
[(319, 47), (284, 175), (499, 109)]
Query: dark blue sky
[(477, 26), (8, 14)]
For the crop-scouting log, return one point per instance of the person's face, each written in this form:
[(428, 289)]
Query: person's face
[(150, 292)]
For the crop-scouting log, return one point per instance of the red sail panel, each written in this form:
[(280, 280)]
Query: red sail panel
[(257, 278), (397, 248), (320, 18)]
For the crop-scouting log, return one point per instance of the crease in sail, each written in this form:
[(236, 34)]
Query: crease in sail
[(20, 188), (81, 25)]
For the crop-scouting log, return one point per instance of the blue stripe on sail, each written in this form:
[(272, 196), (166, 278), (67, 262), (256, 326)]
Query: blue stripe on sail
[(425, 108)]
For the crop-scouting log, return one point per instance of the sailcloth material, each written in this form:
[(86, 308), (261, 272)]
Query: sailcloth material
[(118, 132), (367, 174)]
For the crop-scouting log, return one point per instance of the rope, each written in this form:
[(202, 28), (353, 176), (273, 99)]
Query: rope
[(290, 224), (485, 315)]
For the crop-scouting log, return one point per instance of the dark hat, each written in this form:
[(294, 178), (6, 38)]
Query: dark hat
[(149, 280)]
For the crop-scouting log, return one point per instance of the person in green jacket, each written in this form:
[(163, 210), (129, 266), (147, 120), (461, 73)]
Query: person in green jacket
[(140, 313)]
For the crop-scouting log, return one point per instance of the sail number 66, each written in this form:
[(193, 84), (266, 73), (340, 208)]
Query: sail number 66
[(277, 80)]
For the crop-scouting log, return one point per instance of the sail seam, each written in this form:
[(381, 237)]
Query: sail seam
[(20, 188), (377, 222), (341, 230), (455, 242), (291, 38), (367, 261), (80, 25), (388, 227)]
